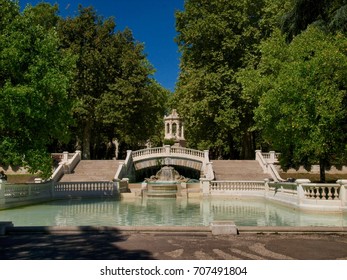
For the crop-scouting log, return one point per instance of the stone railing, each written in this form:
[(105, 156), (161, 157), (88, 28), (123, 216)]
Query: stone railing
[(23, 194), (26, 194), (66, 165), (301, 194), (149, 151), (267, 161), (283, 188), (189, 152), (65, 156), (85, 189), (231, 186), (270, 157), (310, 196), (168, 151), (322, 191), (126, 168)]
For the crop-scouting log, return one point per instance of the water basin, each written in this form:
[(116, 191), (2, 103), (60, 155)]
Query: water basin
[(166, 212)]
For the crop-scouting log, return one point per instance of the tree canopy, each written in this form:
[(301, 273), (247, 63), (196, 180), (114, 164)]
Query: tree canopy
[(265, 74), (34, 79), (218, 38), (71, 81), (302, 106), (115, 95)]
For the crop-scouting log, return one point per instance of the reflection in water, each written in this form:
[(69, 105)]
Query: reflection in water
[(166, 212)]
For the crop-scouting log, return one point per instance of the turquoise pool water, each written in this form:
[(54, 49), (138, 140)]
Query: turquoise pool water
[(166, 212)]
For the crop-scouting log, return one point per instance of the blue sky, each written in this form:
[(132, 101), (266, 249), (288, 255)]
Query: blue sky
[(152, 23)]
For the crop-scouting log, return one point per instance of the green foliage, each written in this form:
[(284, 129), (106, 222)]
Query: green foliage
[(218, 38), (115, 96), (302, 89), (8, 11), (34, 78), (328, 14)]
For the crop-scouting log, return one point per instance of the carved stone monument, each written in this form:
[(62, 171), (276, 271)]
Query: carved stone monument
[(174, 129)]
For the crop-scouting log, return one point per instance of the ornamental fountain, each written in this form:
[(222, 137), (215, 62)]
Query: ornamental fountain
[(166, 183)]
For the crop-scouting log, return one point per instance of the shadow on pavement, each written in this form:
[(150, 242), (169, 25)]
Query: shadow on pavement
[(86, 243)]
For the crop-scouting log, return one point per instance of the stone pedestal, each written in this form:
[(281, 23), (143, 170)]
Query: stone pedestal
[(223, 228)]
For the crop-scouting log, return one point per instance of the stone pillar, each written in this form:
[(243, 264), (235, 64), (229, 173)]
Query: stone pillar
[(209, 171), (65, 157), (343, 192), (205, 186), (167, 149), (79, 154), (267, 187), (123, 185), (206, 156), (272, 156), (300, 189)]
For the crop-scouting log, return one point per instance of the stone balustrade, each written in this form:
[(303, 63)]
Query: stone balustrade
[(67, 164), (267, 161), (147, 152), (322, 191), (167, 151), (231, 186), (302, 194), (85, 189), (23, 194), (26, 194)]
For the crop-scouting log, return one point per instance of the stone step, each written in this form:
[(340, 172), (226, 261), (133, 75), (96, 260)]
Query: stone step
[(160, 195), (246, 170), (93, 170), (164, 188)]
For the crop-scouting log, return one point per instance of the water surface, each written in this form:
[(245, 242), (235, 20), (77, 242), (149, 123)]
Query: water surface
[(166, 212)]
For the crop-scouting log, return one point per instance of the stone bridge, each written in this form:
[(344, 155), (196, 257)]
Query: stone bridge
[(171, 155)]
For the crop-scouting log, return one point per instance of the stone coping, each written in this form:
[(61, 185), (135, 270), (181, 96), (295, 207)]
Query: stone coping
[(174, 229)]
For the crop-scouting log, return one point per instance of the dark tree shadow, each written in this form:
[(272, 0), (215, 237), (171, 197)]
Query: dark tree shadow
[(88, 243)]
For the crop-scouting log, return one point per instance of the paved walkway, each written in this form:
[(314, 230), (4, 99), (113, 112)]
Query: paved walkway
[(127, 245)]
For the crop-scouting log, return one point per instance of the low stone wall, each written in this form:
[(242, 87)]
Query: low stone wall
[(24, 194), (301, 194)]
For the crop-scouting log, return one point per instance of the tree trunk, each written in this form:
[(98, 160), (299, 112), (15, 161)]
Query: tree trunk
[(322, 170), (247, 150), (86, 140)]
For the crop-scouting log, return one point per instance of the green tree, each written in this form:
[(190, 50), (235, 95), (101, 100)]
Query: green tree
[(329, 14), (114, 93), (302, 89), (8, 11), (34, 78), (217, 39)]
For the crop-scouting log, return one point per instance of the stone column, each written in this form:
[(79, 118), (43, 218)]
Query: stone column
[(65, 157), (206, 156), (343, 192), (300, 189), (205, 186), (272, 156), (167, 149)]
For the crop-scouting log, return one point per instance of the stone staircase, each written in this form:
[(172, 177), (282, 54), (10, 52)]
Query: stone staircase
[(245, 170), (104, 170), (92, 170)]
